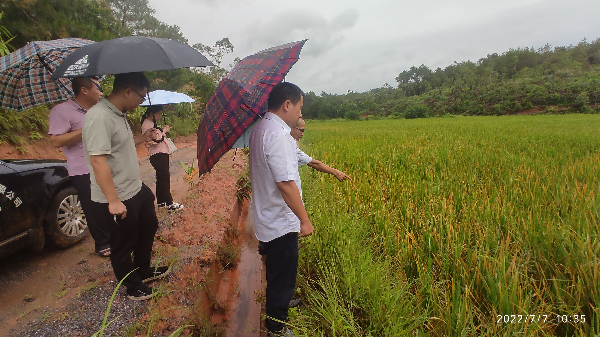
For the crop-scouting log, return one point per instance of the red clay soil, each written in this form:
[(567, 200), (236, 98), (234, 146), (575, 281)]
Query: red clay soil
[(40, 149), (198, 291), (195, 235)]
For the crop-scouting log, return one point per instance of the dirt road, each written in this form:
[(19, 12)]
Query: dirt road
[(66, 292)]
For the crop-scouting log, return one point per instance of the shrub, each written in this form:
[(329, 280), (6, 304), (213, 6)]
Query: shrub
[(30, 123), (417, 111), (352, 115), (581, 101)]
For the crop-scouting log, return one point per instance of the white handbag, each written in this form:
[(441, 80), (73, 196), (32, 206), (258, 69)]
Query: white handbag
[(171, 145)]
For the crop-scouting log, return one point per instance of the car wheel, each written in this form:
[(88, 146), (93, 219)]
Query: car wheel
[(65, 222)]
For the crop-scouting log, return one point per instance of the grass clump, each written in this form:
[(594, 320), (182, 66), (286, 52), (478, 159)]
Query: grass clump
[(243, 187), (229, 253), (203, 327)]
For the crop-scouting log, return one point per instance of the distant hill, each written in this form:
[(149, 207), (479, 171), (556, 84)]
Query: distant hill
[(523, 80)]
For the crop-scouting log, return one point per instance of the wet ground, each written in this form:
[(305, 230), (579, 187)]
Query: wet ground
[(66, 292), (244, 318)]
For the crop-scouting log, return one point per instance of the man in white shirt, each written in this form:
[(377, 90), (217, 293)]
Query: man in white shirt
[(304, 159), (279, 213)]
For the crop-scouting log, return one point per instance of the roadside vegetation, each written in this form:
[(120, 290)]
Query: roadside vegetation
[(454, 226), (25, 21)]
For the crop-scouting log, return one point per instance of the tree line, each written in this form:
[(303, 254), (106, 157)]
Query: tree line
[(522, 80), (554, 80)]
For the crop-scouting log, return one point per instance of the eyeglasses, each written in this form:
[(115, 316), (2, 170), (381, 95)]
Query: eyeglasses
[(301, 130), (98, 86), (95, 80), (141, 96)]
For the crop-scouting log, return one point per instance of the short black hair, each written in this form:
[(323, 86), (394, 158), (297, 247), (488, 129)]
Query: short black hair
[(80, 82), (135, 80), (282, 92)]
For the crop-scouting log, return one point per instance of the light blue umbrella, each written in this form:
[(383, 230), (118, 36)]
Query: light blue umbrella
[(161, 97)]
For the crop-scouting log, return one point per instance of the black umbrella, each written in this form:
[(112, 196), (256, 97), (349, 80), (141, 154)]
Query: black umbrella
[(130, 54)]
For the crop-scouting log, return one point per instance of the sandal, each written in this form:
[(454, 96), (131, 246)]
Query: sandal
[(104, 252)]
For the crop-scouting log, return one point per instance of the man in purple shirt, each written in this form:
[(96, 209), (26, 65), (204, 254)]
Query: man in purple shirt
[(65, 128)]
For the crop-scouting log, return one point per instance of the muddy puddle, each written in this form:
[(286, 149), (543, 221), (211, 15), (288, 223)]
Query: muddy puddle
[(244, 318)]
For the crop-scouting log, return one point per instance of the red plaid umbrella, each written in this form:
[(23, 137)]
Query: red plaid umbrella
[(25, 74), (240, 100)]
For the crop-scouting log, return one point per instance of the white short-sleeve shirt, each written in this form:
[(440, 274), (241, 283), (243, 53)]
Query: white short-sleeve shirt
[(273, 159), (303, 158)]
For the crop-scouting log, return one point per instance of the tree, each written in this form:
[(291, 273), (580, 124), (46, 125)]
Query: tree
[(215, 55), (156, 28), (135, 17), (414, 80), (34, 20)]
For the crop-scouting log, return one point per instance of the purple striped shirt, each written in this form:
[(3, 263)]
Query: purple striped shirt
[(64, 118)]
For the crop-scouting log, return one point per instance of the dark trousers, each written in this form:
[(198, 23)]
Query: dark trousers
[(134, 234), (99, 229), (160, 162), (281, 260)]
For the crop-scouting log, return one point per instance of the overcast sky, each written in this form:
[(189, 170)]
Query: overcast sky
[(361, 45)]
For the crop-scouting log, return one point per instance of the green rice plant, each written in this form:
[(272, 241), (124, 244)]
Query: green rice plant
[(244, 188), (467, 220)]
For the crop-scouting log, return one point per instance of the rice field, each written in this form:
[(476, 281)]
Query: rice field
[(465, 226)]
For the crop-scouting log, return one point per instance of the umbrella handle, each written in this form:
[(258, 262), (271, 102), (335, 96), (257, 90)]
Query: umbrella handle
[(158, 128), (162, 138)]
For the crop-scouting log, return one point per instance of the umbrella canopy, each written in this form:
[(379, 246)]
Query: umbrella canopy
[(241, 99), (161, 97), (130, 54), (244, 140), (25, 74)]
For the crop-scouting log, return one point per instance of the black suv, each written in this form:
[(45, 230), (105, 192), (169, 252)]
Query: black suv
[(38, 204)]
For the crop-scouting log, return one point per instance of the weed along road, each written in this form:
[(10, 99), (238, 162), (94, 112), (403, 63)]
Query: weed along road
[(67, 292)]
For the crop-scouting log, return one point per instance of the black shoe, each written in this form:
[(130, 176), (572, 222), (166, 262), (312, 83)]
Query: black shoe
[(285, 332), (172, 207), (295, 302), (157, 273), (143, 292), (175, 207)]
